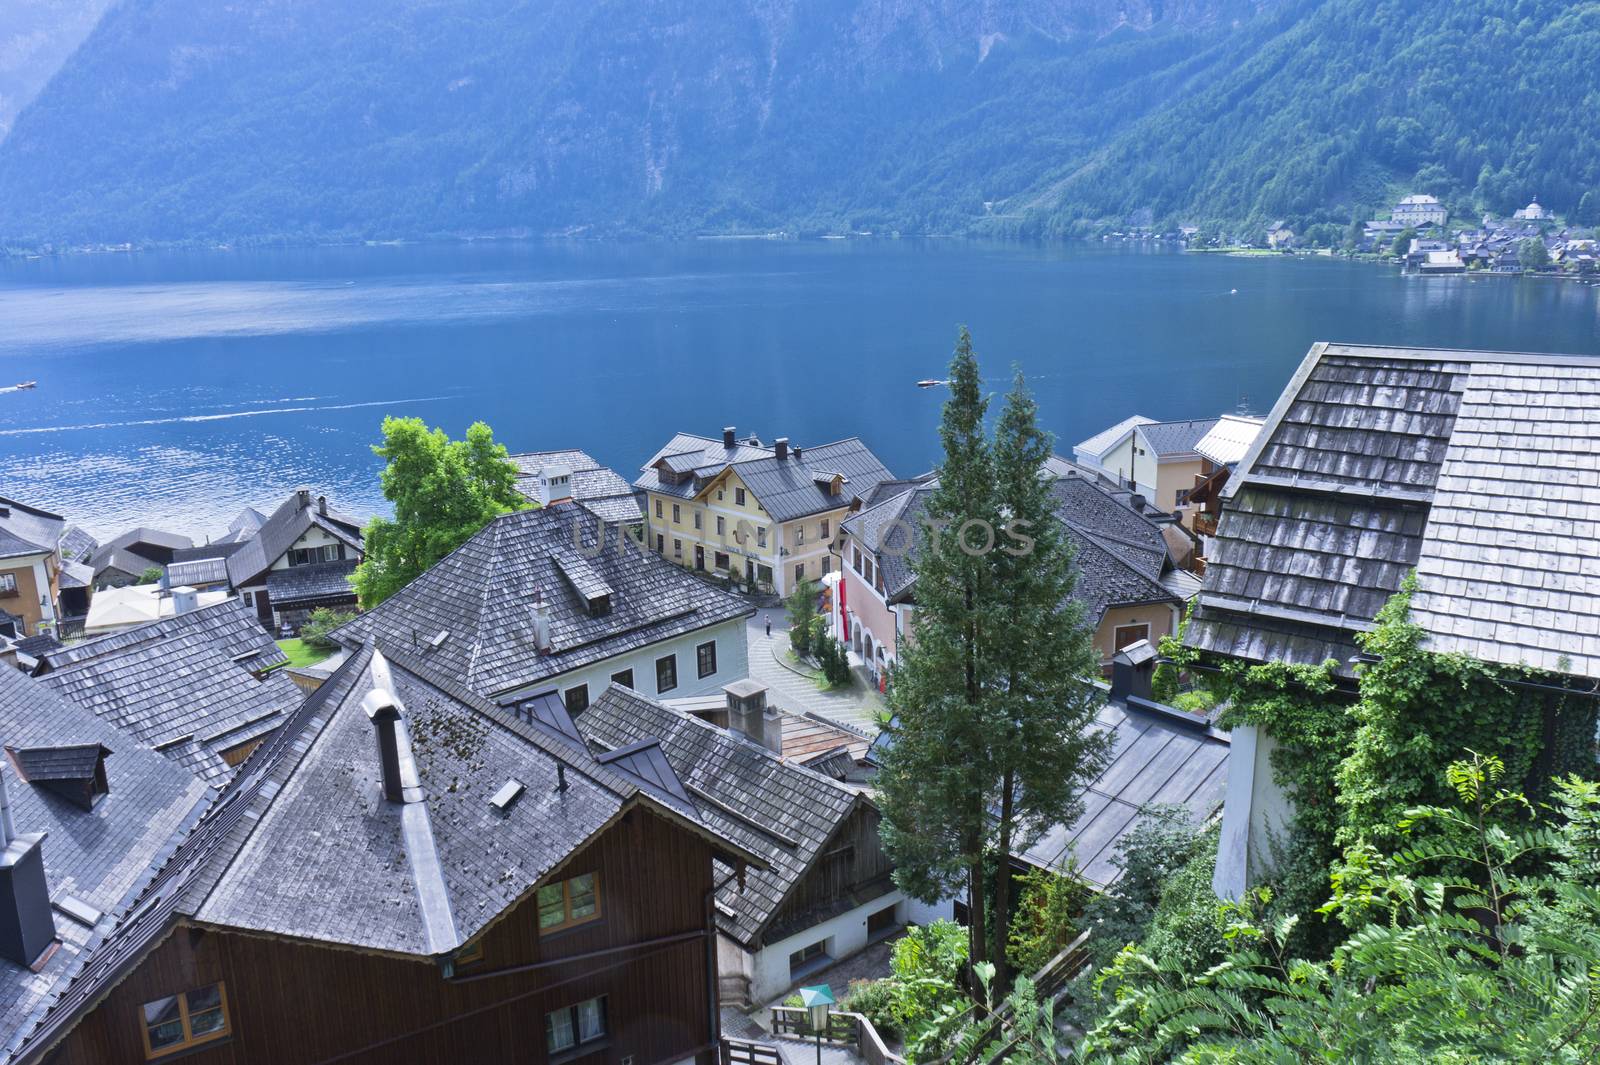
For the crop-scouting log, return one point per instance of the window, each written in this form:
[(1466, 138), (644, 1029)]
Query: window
[(809, 958), (305, 556), (706, 658), (8, 584), (721, 559), (881, 923), (181, 1021), (666, 673), (824, 528), (764, 574), (827, 565), (722, 526), (661, 544), (799, 535), (571, 902), (697, 519), (867, 570), (761, 536), (658, 508), (799, 572), (1123, 635), (738, 496), (575, 1026), (623, 677), (677, 548), (577, 699), (856, 555), (677, 516)]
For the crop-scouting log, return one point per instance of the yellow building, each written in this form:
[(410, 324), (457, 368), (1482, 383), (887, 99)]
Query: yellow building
[(30, 569), (767, 515)]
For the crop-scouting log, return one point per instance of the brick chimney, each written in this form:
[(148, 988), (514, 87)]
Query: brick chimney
[(27, 927), (780, 447), (322, 505), (728, 432), (750, 717)]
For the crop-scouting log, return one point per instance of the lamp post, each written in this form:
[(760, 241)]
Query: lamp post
[(817, 1000)]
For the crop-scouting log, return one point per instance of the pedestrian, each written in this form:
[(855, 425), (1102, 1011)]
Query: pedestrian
[(769, 626)]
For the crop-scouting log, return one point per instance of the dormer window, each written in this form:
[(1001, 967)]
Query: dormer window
[(76, 772)]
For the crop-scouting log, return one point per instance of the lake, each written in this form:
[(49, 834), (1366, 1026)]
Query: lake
[(175, 388)]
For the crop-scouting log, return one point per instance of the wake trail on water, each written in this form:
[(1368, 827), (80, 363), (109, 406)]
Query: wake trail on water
[(219, 417)]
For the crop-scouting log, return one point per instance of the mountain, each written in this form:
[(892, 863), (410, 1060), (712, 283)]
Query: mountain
[(183, 120), (36, 37)]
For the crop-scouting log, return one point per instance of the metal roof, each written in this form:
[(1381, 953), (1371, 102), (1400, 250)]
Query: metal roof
[(1176, 439), (788, 488), (1227, 441), (1106, 439)]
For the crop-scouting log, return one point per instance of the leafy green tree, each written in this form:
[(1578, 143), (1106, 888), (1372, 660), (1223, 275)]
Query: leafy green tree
[(1047, 918), (151, 575), (938, 776), (1478, 941), (443, 491), (1534, 254), (805, 624), (1402, 242), (320, 624)]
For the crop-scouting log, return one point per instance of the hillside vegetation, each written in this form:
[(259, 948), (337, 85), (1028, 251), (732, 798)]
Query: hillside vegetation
[(184, 121)]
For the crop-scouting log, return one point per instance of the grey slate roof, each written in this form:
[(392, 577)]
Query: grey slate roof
[(784, 812), (101, 856), (293, 518), (186, 686), (1477, 469), (482, 596), (1158, 756), (1172, 439), (788, 488), (603, 490), (76, 575), (1121, 554), (320, 582), (76, 544), (26, 530)]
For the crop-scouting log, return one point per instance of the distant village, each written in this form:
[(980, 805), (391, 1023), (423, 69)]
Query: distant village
[(562, 796)]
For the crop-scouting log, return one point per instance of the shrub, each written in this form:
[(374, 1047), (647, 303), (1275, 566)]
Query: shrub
[(317, 628), (874, 1000), (152, 575), (1046, 919)]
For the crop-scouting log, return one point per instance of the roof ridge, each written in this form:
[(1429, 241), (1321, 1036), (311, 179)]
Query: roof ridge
[(483, 597)]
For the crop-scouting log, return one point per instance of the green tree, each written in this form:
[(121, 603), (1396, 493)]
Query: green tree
[(1534, 254), (1402, 241), (937, 775), (317, 628), (805, 624), (1478, 941), (443, 491), (1040, 732), (152, 575)]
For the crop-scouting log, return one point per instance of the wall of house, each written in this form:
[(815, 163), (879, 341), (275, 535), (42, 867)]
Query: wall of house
[(719, 500), (843, 936), (35, 576), (316, 536), (733, 663), (808, 548), (1145, 465), (1161, 617), (1175, 477), (292, 1003), (1119, 461), (866, 607)]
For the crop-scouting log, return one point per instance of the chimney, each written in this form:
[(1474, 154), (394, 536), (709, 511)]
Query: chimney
[(727, 435), (302, 498), (1136, 501), (555, 484), (797, 452), (750, 717), (27, 927), (541, 623), (781, 447), (184, 599), (394, 745), (1132, 670), (322, 505)]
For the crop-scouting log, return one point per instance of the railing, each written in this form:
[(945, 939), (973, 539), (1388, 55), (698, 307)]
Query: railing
[(845, 1029), (1205, 524), (745, 1052)]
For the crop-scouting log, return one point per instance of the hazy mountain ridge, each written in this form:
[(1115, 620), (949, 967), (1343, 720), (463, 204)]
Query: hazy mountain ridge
[(179, 120), (36, 37)]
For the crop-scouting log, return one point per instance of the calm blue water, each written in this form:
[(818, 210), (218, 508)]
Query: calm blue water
[(176, 388)]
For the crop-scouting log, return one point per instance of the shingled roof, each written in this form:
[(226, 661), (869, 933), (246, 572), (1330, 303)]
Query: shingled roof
[(1121, 554), (780, 810), (312, 585), (1480, 470), (26, 530), (189, 686), (480, 599), (600, 488), (294, 517), (98, 857), (791, 487), (1176, 439)]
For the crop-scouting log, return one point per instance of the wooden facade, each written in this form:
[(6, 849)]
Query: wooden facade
[(850, 869), (299, 1003)]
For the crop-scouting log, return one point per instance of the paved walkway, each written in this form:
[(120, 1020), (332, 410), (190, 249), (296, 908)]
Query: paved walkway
[(856, 706)]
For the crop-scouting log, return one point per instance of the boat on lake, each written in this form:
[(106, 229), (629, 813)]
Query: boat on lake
[(929, 383)]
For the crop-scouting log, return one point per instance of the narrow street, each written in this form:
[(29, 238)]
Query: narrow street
[(857, 707)]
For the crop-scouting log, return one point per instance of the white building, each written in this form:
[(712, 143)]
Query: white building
[(1420, 210)]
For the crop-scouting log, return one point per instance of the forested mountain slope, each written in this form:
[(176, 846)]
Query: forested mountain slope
[(311, 119), (36, 37)]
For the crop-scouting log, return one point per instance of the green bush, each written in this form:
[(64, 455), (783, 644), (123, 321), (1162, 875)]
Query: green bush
[(874, 1000), (318, 627), (834, 660), (926, 968), (152, 575), (1049, 906)]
